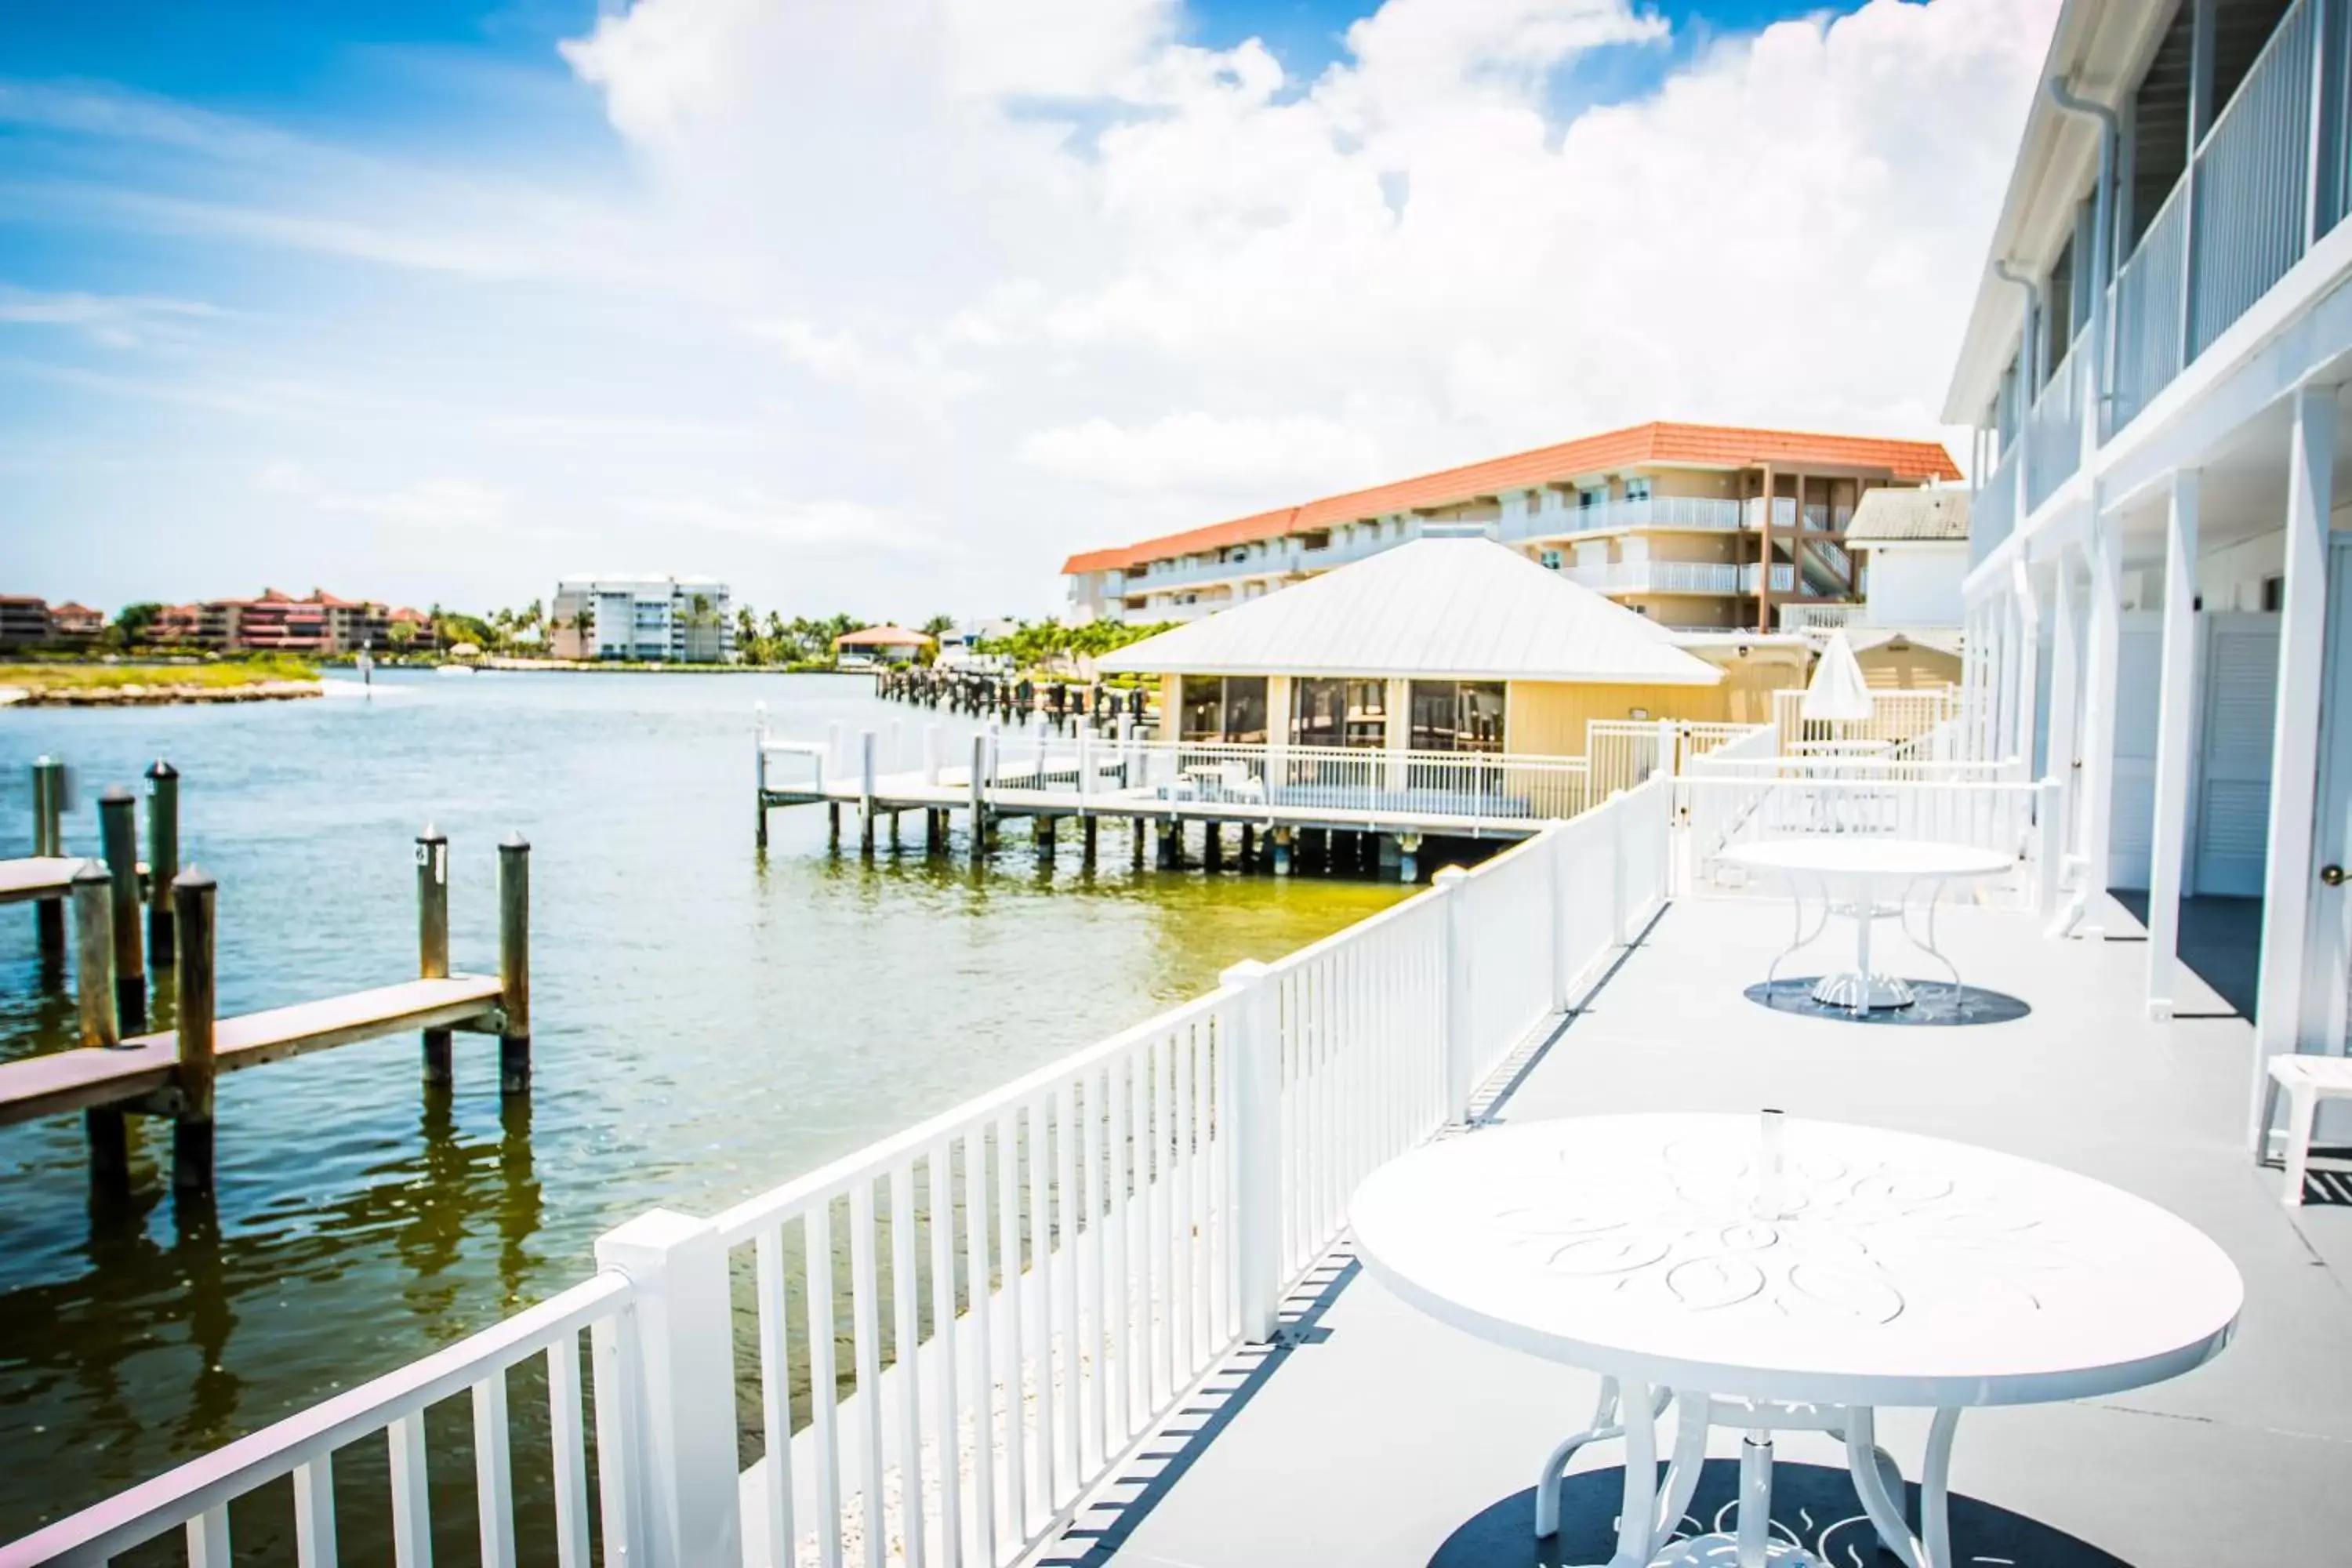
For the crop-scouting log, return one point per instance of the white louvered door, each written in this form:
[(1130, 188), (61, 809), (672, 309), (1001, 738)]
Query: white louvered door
[(2240, 703)]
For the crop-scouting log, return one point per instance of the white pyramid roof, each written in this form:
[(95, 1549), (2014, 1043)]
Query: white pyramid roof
[(1436, 608), (1838, 689)]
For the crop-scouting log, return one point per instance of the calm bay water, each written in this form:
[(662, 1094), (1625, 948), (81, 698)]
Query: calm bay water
[(705, 1024)]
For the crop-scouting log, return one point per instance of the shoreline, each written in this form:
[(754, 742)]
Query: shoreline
[(159, 696)]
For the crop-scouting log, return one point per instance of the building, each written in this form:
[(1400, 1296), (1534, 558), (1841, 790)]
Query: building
[(2159, 604), (1671, 521), (652, 620), (24, 621), (1380, 655), (319, 625), (1912, 547), (882, 644)]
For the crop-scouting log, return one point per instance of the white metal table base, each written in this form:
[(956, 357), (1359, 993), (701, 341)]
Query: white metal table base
[(1649, 1518), (1863, 989)]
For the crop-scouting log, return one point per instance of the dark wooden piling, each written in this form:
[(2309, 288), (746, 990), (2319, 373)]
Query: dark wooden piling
[(979, 798), (1249, 845), (49, 840), (163, 858), (118, 837), (514, 964), (1087, 835), (433, 942), (1044, 826), (1213, 845), (107, 1131), (192, 896)]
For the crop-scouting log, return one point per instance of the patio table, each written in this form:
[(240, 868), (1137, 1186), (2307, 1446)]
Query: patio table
[(1860, 865), (1769, 1278)]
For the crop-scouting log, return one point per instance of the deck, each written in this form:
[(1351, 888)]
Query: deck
[(39, 877), (76, 1079), (1384, 1438)]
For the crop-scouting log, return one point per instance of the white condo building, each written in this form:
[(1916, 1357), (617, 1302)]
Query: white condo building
[(2159, 604), (686, 620)]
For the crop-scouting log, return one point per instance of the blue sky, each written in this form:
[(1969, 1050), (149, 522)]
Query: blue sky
[(435, 298)]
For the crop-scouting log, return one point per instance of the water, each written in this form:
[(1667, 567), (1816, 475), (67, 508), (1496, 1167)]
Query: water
[(705, 1024)]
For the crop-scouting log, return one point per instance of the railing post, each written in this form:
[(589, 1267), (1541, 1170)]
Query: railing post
[(49, 841), (933, 741), (93, 904), (1257, 1047), (1086, 765), (514, 964), (193, 895), (1459, 1065), (118, 837), (834, 747), (1620, 911), (682, 1387), (433, 939), (1669, 735), (163, 856)]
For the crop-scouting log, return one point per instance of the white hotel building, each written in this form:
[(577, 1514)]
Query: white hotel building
[(682, 620), (2159, 606)]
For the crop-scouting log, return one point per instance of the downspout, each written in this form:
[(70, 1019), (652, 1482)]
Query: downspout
[(2103, 242)]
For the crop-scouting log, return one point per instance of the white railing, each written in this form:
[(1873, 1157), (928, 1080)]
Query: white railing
[(1658, 576), (1817, 617), (1621, 753), (1709, 513), (1784, 513), (1726, 741), (1784, 578), (2253, 181), (949, 1336), (194, 1499), (2053, 428), (1992, 514), (1894, 717)]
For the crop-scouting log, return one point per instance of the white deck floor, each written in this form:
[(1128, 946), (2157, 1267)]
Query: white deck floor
[(1386, 1438)]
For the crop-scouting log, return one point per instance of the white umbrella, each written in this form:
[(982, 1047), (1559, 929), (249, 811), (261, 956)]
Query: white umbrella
[(1837, 690)]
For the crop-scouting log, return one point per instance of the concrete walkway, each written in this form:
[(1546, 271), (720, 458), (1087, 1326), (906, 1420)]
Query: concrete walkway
[(1381, 1438)]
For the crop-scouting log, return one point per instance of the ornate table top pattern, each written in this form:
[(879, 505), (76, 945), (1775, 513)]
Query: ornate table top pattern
[(1892, 1269)]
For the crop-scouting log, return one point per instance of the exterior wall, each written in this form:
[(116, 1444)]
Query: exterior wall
[(650, 619), (1913, 584), (1686, 609), (1547, 719)]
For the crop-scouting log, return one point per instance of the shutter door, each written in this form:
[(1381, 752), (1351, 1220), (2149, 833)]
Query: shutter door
[(2230, 835)]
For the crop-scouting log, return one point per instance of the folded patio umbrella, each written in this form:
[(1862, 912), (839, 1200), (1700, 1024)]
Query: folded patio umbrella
[(1837, 689)]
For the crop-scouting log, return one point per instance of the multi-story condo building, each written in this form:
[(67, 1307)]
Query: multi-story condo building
[(684, 620), (1695, 526), (276, 622), (2160, 607)]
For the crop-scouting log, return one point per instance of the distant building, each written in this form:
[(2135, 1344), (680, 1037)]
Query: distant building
[(320, 624), (643, 619), (24, 621), (882, 644), (1694, 526), (72, 623), (1912, 546)]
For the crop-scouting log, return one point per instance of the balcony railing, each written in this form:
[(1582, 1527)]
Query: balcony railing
[(1994, 513), (2244, 213), (2054, 430), (1817, 617)]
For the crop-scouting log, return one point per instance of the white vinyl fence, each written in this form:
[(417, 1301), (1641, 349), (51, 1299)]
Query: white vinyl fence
[(937, 1346)]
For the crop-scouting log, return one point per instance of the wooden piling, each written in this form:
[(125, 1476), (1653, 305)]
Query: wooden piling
[(866, 792), (163, 858), (1282, 851), (1249, 845), (1213, 845), (193, 895), (514, 964), (107, 1131), (1044, 826), (118, 837), (1087, 826), (979, 798), (49, 840), (433, 942), (1135, 840)]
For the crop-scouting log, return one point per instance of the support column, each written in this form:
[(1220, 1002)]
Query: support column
[(2065, 677), (2176, 716), (2289, 871), (2101, 657), (2028, 657)]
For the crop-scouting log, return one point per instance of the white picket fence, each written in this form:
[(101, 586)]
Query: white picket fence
[(951, 1335)]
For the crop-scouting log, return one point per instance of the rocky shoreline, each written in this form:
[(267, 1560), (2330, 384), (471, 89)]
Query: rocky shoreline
[(156, 696)]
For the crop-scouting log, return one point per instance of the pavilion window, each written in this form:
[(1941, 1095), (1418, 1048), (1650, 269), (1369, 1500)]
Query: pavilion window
[(1329, 712), (1457, 716), (1224, 708)]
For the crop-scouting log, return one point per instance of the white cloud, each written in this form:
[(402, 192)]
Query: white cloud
[(877, 278)]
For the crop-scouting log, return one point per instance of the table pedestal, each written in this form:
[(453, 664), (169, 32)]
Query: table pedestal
[(1650, 1519)]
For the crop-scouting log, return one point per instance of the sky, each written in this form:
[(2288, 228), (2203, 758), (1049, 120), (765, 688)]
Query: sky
[(887, 307)]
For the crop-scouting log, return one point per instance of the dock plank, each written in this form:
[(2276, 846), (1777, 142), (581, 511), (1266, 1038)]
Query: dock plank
[(37, 877), (72, 1080)]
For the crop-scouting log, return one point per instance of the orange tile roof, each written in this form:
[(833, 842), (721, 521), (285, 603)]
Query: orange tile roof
[(1703, 445)]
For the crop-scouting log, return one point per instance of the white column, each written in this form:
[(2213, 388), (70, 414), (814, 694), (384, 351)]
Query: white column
[(1257, 1133), (1461, 1074), (2288, 871), (2004, 719), (2028, 659), (2101, 658), (2065, 677), (2175, 715)]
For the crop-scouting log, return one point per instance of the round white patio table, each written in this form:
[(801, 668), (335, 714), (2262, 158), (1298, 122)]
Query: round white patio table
[(1860, 865), (1772, 1274)]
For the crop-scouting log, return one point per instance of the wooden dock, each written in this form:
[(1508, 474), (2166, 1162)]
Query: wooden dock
[(171, 1074), (144, 1065)]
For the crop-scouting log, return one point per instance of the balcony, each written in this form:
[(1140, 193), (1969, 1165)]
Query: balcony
[(1564, 520), (2246, 210), (1994, 514), (2053, 426)]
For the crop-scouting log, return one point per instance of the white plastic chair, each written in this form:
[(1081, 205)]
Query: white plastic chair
[(2305, 1081)]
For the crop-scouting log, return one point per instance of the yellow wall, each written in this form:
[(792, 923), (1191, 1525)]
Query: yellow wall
[(1909, 669), (1547, 719)]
